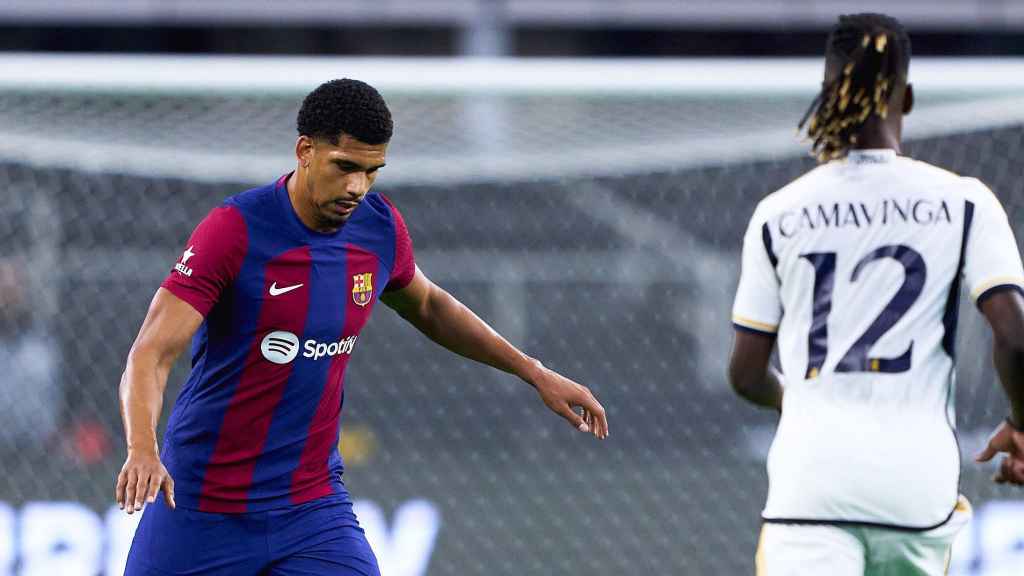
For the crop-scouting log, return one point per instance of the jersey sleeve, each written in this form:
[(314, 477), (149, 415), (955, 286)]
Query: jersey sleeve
[(404, 267), (211, 260), (758, 305), (992, 261)]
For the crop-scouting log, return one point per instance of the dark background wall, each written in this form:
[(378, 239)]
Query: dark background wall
[(507, 27)]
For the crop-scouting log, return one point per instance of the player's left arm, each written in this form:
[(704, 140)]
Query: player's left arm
[(750, 371), (445, 320)]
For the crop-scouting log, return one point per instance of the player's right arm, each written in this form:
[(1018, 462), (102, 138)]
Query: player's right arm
[(208, 265), (169, 326), (751, 374), (756, 316)]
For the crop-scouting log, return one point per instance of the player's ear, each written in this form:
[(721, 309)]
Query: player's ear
[(304, 150), (908, 99)]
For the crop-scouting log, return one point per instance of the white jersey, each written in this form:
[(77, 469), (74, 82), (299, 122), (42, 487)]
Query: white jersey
[(857, 267)]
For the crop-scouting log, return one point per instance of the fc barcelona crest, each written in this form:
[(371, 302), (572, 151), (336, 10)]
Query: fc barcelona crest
[(362, 288)]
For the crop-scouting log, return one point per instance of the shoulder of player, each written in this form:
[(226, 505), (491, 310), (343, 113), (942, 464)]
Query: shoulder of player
[(376, 218), (976, 191), (386, 208), (946, 182), (253, 200), (261, 208), (922, 169), (793, 194), (224, 231), (929, 174), (381, 205), (228, 225)]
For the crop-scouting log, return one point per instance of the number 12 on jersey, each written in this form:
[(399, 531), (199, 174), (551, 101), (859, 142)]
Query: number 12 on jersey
[(857, 358)]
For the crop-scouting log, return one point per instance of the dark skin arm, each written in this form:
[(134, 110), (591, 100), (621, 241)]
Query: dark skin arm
[(750, 371), (1005, 314), (445, 320), (166, 331)]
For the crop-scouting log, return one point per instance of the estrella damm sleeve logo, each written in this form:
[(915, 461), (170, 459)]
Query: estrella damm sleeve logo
[(362, 288)]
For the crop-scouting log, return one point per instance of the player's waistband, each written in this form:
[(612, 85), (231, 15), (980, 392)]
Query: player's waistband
[(962, 506)]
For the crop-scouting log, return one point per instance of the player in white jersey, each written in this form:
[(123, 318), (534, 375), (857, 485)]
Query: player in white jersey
[(855, 270)]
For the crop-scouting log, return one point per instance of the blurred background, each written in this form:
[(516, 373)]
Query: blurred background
[(579, 172)]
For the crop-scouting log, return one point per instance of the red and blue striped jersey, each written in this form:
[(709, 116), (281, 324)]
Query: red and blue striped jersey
[(256, 425)]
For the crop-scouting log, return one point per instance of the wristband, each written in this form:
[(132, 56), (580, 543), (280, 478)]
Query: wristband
[(1009, 420)]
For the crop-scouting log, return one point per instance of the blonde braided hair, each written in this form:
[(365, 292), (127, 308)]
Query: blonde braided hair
[(875, 53)]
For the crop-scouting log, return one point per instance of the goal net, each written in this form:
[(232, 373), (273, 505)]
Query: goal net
[(592, 211)]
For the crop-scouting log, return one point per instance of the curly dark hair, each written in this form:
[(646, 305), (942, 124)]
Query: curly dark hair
[(874, 53), (345, 106)]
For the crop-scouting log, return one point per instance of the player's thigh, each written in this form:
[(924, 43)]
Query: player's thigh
[(808, 550), (320, 537), (908, 555), (915, 553), (187, 542), (346, 553)]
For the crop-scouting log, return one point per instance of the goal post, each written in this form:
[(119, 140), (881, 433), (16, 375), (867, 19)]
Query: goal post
[(640, 114)]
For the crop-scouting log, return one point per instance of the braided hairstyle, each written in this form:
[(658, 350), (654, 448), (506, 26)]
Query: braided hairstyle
[(873, 51)]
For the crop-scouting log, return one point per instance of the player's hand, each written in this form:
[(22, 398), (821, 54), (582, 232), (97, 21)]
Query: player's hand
[(141, 479), (1011, 442), (563, 396)]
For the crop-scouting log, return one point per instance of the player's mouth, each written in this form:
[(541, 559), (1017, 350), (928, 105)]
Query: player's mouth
[(344, 207)]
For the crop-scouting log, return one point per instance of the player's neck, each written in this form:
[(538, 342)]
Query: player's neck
[(304, 210), (880, 135)]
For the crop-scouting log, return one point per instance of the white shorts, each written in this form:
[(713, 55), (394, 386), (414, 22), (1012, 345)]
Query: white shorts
[(835, 550)]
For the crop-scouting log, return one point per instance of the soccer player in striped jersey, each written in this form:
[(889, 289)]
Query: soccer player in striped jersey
[(272, 290), (854, 270)]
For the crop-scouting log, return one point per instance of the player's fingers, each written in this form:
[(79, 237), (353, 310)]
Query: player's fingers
[(1002, 475), (122, 481), (131, 482), (1005, 472), (565, 411), (140, 491), (168, 487), (153, 488), (592, 423), (1016, 471), (987, 454), (600, 419)]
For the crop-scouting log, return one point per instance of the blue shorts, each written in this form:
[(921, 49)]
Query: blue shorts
[(318, 537)]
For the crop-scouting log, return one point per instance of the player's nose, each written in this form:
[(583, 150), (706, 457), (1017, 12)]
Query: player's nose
[(357, 184)]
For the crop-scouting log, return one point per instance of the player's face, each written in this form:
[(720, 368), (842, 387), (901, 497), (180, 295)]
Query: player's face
[(339, 176)]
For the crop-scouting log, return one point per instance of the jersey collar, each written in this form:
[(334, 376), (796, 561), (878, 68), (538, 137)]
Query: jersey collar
[(871, 156)]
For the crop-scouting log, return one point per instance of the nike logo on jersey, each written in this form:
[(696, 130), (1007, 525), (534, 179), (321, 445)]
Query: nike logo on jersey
[(275, 291)]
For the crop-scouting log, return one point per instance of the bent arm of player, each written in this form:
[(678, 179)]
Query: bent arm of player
[(445, 320), (750, 371), (1005, 314), (994, 274), (166, 331)]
